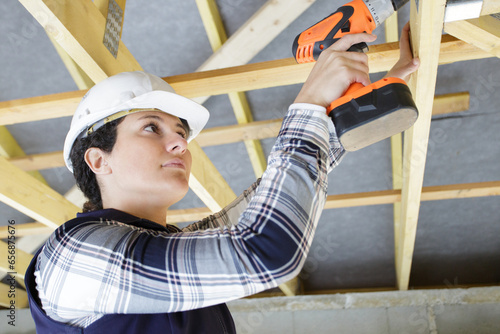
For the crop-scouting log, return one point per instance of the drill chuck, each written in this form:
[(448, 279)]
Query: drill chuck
[(380, 9)]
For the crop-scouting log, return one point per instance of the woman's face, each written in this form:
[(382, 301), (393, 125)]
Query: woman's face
[(150, 159)]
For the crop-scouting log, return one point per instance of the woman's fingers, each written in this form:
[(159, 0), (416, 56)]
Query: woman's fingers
[(335, 70), (347, 41), (406, 64)]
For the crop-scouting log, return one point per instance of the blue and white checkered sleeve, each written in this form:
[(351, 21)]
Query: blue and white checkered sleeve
[(110, 267)]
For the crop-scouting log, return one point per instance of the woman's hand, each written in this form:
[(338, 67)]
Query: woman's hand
[(406, 64), (335, 70)]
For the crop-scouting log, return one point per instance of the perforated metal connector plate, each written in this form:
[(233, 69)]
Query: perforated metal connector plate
[(113, 30)]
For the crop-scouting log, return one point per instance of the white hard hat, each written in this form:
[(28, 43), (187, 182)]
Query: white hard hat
[(131, 91)]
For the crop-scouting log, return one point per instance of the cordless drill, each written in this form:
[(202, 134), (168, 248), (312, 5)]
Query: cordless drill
[(364, 114)]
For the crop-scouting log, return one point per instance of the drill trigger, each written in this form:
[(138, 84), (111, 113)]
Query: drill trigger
[(360, 47)]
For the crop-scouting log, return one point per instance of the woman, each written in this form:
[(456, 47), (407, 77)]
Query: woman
[(120, 268)]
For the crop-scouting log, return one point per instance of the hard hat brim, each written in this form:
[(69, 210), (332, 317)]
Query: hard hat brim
[(195, 114)]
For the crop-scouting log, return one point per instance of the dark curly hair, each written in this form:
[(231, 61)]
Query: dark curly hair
[(104, 138)]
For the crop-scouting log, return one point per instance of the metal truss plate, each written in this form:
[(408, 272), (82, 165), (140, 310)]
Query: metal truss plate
[(113, 30)]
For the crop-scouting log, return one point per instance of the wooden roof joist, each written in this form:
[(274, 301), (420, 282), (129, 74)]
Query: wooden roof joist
[(431, 193), (240, 78), (443, 104), (32, 197), (426, 21), (483, 32), (490, 7)]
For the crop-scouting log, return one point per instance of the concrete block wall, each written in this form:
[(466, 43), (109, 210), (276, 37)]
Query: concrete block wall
[(449, 311), (446, 311)]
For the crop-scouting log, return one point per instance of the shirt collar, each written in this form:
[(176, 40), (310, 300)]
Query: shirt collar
[(122, 217)]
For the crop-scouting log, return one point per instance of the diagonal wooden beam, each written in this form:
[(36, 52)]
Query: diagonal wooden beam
[(212, 22), (483, 32), (9, 148), (240, 78), (33, 198), (217, 36), (81, 37), (206, 181), (81, 79), (490, 7), (426, 27), (267, 23), (30, 236)]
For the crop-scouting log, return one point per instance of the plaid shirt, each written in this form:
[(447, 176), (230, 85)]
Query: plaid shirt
[(256, 243)]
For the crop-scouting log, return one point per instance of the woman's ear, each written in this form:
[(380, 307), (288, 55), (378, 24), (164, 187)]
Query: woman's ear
[(96, 160)]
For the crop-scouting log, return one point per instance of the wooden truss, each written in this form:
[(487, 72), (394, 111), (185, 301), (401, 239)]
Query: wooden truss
[(225, 72)]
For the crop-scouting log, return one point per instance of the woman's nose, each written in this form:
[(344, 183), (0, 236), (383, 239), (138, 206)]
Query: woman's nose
[(176, 144)]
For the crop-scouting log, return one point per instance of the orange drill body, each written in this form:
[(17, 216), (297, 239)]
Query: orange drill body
[(363, 115), (354, 17)]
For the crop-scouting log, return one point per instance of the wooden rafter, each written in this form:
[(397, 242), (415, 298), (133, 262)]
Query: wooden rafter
[(391, 196), (240, 78), (81, 36), (212, 21), (443, 104), (490, 7), (207, 182), (271, 19), (483, 32), (217, 36), (391, 36), (287, 72), (81, 79), (9, 148), (426, 28), (432, 193), (32, 197)]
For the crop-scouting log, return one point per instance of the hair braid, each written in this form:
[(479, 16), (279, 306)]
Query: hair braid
[(104, 138)]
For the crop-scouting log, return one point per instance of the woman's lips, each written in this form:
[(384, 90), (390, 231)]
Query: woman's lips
[(175, 163)]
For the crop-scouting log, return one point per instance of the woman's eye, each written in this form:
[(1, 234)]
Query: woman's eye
[(182, 134), (151, 128)]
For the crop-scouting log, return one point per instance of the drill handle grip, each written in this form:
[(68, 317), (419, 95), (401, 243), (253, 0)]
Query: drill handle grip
[(360, 47), (350, 91)]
